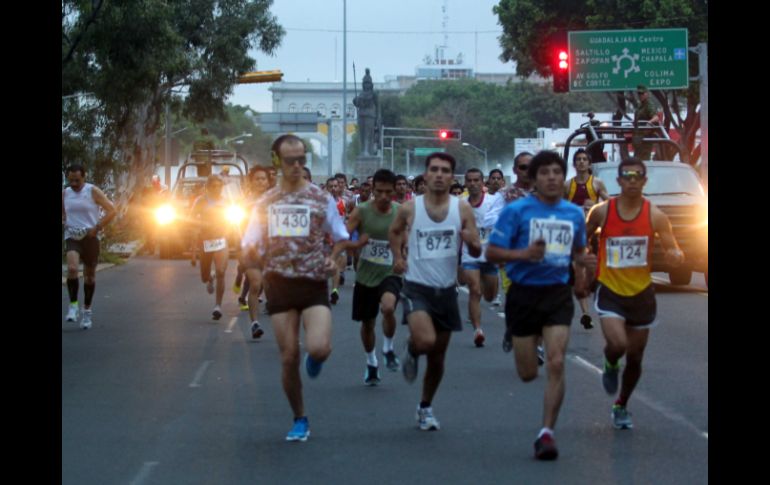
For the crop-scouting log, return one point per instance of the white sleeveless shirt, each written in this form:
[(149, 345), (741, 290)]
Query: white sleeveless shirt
[(81, 210), (434, 246)]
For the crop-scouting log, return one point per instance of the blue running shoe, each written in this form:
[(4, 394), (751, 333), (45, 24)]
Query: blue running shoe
[(312, 367), (300, 431)]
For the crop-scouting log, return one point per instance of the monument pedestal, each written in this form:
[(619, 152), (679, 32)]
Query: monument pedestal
[(366, 165)]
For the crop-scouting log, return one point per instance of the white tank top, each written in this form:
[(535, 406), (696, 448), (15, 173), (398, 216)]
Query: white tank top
[(433, 246), (81, 210), (481, 214)]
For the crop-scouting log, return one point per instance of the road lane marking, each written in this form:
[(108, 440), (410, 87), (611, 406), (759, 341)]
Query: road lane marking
[(231, 325), (199, 374), (651, 403), (144, 472)]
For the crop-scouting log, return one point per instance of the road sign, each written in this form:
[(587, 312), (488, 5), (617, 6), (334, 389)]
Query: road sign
[(531, 145), (288, 122), (421, 152), (620, 60)]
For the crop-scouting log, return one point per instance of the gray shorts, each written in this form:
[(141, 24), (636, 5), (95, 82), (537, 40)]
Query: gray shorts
[(439, 303)]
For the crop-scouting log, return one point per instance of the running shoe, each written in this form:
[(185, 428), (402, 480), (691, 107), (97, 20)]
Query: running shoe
[(545, 448), (621, 418), (610, 378), (312, 367), (507, 343), (391, 361), (300, 431), (540, 355), (426, 420), (237, 289), (335, 296), (86, 322), (478, 337), (256, 330), (409, 366), (372, 375), (217, 313), (72, 313)]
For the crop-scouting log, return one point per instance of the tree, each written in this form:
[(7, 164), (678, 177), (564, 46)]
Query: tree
[(135, 56), (530, 28)]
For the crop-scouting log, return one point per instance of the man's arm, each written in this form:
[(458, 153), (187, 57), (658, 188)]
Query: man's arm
[(396, 235), (109, 210), (661, 225), (601, 189), (470, 234), (354, 220)]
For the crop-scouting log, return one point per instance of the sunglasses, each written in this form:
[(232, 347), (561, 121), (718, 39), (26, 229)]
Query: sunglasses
[(522, 167), (631, 174), (290, 161)]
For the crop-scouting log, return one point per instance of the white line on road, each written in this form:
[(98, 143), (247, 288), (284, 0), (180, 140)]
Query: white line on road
[(199, 374), (231, 325), (662, 409), (144, 472)]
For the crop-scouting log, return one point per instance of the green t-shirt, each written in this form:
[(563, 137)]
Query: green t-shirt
[(375, 260)]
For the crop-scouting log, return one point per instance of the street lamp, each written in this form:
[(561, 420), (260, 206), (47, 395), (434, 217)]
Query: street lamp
[(242, 135), (484, 151)]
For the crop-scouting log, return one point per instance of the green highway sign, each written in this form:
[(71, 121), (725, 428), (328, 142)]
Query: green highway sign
[(421, 152), (620, 60)]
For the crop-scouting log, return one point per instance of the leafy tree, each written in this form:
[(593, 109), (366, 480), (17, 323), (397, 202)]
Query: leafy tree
[(530, 28), (135, 56)]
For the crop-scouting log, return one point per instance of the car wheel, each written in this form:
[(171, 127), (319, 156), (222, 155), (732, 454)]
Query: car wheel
[(680, 276)]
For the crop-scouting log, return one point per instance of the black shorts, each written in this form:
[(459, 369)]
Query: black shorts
[(530, 308), (284, 294), (87, 248), (366, 299), (439, 303), (639, 311)]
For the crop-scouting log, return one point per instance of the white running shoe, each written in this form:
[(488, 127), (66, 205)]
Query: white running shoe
[(85, 323), (72, 313)]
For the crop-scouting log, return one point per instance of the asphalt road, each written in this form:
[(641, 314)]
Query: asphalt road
[(158, 393)]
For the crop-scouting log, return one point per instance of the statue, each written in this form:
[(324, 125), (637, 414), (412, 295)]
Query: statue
[(368, 116)]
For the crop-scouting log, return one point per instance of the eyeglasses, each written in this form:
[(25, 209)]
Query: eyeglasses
[(290, 161), (522, 167), (631, 174)]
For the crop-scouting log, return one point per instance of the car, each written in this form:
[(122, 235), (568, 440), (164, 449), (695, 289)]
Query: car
[(175, 227), (674, 187)]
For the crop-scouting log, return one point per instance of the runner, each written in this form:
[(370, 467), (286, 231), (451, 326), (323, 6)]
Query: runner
[(80, 204), (376, 284), (436, 223), (211, 226), (287, 232), (539, 237), (625, 298)]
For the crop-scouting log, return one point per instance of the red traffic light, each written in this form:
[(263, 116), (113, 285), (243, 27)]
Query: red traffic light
[(563, 60), (444, 134), (561, 72)]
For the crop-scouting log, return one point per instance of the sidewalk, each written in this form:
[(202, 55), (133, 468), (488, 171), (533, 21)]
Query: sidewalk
[(126, 250)]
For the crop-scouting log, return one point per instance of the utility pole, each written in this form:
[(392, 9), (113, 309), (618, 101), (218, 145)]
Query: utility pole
[(167, 161), (344, 82)]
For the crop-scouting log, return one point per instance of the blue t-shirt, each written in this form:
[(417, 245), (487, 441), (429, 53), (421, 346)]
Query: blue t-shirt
[(561, 225)]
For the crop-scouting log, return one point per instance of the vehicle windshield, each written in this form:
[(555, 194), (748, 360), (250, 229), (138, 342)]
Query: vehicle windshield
[(189, 189), (660, 180)]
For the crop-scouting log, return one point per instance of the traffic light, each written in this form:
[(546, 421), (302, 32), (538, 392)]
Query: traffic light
[(445, 134), (561, 72), (260, 77)]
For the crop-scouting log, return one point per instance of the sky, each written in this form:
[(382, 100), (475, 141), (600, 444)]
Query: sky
[(391, 37)]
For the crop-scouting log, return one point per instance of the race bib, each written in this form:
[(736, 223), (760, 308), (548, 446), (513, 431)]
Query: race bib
[(436, 243), (556, 233), (213, 245), (289, 220), (627, 252), (377, 251)]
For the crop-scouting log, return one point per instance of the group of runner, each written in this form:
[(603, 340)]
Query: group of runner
[(413, 250)]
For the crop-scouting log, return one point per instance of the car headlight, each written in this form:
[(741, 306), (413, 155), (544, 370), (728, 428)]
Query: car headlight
[(165, 214), (235, 214)]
